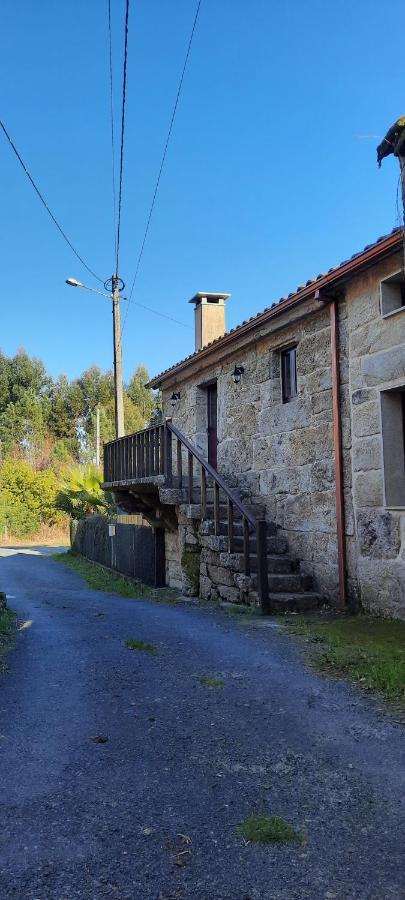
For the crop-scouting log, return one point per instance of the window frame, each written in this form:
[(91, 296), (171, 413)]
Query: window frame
[(289, 353), (392, 407), (393, 279)]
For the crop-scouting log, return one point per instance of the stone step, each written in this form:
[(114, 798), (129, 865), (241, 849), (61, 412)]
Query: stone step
[(277, 564), (281, 583), (292, 601)]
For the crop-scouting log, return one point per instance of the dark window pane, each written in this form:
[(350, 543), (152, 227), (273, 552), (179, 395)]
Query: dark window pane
[(289, 374)]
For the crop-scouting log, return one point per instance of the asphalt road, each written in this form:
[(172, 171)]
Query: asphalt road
[(153, 811)]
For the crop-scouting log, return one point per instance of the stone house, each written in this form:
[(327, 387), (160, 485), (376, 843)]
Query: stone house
[(301, 412)]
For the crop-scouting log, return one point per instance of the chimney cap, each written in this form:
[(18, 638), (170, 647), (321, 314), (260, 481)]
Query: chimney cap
[(204, 295)]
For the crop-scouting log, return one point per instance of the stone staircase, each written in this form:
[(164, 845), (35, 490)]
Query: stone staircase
[(221, 573)]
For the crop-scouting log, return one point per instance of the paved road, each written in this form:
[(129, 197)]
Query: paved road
[(111, 820)]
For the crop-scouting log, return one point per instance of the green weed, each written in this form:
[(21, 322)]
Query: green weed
[(370, 651), (144, 646), (101, 579), (210, 681), (268, 830)]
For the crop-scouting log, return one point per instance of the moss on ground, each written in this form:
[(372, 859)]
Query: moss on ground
[(143, 646), (210, 681), (370, 651), (8, 621), (102, 579), (269, 830)]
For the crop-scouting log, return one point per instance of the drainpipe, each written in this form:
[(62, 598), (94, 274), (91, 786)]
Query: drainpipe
[(337, 441)]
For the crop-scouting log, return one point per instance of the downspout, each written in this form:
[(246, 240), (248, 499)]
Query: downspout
[(337, 441)]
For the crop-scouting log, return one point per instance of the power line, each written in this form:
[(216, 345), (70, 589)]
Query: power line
[(165, 147), (43, 201), (124, 95), (157, 313), (112, 134), (162, 162)]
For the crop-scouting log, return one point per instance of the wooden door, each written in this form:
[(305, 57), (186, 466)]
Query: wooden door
[(212, 430)]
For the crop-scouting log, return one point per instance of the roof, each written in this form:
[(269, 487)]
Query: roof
[(383, 246)]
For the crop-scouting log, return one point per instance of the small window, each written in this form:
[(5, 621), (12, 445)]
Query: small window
[(289, 374), (393, 435), (392, 294)]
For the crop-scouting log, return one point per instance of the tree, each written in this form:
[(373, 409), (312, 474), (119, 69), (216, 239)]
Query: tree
[(142, 398), (27, 498)]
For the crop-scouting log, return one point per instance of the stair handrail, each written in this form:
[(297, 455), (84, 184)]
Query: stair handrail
[(213, 473), (259, 525)]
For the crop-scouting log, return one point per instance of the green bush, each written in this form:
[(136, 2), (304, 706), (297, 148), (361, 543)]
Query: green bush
[(27, 498)]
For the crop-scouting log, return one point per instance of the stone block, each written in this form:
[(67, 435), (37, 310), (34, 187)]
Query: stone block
[(320, 380), (366, 419), (322, 475), (311, 512), (313, 351), (243, 582), (321, 404), (382, 587), (232, 561), (220, 575), (363, 395), (368, 488), (285, 417), (378, 533), (290, 479), (384, 367), (228, 593), (367, 454)]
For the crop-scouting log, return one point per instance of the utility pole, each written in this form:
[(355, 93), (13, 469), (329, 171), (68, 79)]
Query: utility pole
[(98, 437), (114, 286), (119, 396)]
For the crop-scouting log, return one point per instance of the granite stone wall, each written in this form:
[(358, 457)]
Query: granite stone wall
[(377, 363), (280, 456)]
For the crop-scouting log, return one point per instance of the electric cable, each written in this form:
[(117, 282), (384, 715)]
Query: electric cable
[(43, 201), (112, 134), (162, 162), (124, 96), (157, 313)]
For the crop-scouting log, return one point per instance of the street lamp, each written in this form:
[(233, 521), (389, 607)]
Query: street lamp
[(115, 286)]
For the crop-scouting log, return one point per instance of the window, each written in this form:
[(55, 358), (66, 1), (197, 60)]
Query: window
[(289, 374), (392, 294), (393, 435)]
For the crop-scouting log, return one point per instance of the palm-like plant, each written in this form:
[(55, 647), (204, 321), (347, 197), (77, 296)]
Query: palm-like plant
[(82, 494)]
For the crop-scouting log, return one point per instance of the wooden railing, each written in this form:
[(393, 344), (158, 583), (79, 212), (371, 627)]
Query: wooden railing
[(150, 452), (135, 456)]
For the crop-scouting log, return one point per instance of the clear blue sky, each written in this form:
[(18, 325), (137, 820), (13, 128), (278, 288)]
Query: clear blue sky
[(269, 178)]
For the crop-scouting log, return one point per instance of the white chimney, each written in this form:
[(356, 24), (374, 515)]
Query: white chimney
[(209, 317)]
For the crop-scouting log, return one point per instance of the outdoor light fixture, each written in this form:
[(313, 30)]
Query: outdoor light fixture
[(174, 398), (237, 374), (74, 282)]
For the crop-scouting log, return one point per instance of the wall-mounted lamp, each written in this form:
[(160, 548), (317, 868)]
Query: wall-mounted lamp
[(174, 398), (237, 374)]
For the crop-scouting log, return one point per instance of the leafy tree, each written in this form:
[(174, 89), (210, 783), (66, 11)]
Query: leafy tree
[(27, 498), (142, 398)]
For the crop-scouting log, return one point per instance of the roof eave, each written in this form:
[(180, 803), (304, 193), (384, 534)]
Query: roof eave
[(378, 251)]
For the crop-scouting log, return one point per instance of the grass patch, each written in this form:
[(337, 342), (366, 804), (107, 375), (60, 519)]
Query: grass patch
[(144, 646), (210, 681), (102, 579), (239, 609), (7, 630), (369, 651), (268, 830)]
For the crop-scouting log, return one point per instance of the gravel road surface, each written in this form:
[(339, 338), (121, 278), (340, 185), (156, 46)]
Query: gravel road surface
[(153, 811)]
